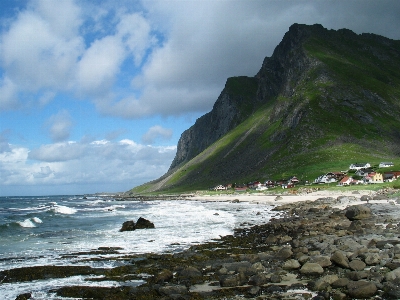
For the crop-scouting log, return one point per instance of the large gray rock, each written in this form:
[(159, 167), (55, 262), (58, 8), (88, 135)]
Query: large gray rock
[(141, 223), (340, 259), (291, 264), (323, 282), (311, 269), (357, 265), (323, 261), (361, 289), (372, 259), (358, 212), (393, 275)]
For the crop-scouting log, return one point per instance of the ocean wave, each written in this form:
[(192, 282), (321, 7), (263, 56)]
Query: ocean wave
[(36, 220), (27, 223), (61, 209)]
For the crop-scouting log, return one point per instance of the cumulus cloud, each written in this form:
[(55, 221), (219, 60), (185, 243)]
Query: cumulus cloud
[(59, 126), (156, 132), (176, 57), (101, 163)]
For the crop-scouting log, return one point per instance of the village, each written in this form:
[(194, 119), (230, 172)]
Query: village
[(358, 173)]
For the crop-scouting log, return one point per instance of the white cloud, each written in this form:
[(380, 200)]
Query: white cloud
[(59, 126), (8, 94), (156, 132), (94, 165)]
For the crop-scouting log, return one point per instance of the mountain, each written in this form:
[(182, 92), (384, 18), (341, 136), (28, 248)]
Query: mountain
[(323, 100)]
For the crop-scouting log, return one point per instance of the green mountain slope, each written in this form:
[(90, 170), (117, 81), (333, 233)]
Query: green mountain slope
[(323, 100)]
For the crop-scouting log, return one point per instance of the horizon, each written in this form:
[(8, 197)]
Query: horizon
[(95, 96)]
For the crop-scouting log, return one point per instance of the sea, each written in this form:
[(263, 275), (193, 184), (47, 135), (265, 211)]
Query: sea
[(51, 230)]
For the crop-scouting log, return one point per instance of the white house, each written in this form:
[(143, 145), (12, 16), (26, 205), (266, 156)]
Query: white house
[(220, 188), (346, 181), (326, 178), (358, 166), (386, 164)]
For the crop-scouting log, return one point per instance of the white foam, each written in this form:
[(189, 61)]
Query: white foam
[(27, 223), (39, 288), (61, 209), (37, 220)]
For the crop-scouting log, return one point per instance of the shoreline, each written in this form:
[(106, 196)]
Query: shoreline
[(312, 250)]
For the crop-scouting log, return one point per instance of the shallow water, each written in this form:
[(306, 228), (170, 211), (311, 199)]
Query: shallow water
[(44, 230)]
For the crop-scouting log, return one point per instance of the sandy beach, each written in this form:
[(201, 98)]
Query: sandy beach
[(278, 199)]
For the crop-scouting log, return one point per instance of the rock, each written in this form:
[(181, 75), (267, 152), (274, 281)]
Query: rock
[(190, 272), (340, 259), (361, 289), (357, 265), (372, 259), (128, 226), (259, 267), (164, 276), (275, 278), (392, 289), (337, 295), (291, 264), (311, 269), (235, 201), (173, 290), (142, 223), (365, 198), (229, 280), (284, 253), (357, 212), (323, 261), (277, 198), (258, 279), (323, 282), (24, 296), (357, 275), (393, 275), (380, 197), (341, 282)]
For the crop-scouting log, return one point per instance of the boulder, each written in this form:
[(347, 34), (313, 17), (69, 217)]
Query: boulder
[(323, 261), (284, 253), (291, 264), (340, 259), (142, 223), (357, 212), (372, 259), (392, 289), (361, 289), (229, 280), (128, 226), (393, 275), (164, 276), (258, 279), (311, 269), (323, 282), (365, 198), (357, 265)]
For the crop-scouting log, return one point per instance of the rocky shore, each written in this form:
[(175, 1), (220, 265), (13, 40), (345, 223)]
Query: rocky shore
[(317, 250)]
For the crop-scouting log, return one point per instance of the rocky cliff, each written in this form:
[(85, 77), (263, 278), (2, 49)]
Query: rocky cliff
[(324, 98)]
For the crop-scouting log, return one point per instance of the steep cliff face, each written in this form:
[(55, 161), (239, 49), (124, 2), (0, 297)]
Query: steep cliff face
[(235, 103), (324, 98)]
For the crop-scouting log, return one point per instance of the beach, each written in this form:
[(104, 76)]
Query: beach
[(320, 245)]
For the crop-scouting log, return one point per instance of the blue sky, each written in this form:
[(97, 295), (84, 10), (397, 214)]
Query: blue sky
[(94, 95)]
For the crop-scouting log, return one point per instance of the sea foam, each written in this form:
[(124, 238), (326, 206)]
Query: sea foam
[(64, 210), (27, 223)]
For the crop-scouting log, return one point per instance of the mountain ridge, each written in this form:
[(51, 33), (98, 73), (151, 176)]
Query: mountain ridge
[(320, 90)]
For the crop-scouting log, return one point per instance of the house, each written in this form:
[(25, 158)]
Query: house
[(345, 181), (358, 166), (364, 172), (241, 189), (293, 180), (326, 178), (220, 188), (374, 177), (269, 183), (390, 176), (386, 164)]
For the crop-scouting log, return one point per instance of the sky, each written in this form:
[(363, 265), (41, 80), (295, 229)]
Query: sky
[(94, 94)]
